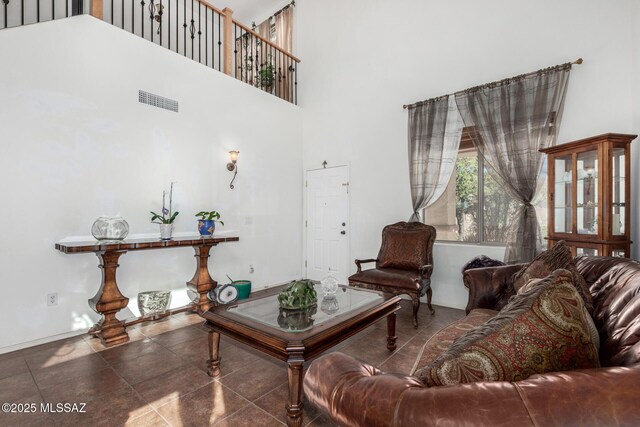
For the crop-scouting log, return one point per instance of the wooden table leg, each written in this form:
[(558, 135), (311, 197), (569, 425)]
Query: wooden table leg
[(108, 301), (213, 364), (294, 406), (391, 331), (202, 282)]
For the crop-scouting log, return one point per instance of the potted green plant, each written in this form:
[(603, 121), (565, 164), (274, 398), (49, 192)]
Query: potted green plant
[(267, 75), (167, 218), (207, 222)]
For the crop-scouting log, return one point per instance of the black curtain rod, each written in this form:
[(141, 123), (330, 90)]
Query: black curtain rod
[(293, 3), (416, 104)]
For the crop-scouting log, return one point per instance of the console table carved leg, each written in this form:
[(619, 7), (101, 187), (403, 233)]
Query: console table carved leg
[(213, 364), (294, 406), (108, 301), (202, 282), (391, 332)]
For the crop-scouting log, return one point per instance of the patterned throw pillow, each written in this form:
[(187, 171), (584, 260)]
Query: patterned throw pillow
[(543, 329), (557, 257)]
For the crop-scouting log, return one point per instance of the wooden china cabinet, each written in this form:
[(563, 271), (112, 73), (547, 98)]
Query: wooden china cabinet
[(589, 195)]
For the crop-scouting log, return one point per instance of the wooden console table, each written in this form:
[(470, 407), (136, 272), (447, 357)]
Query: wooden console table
[(109, 300)]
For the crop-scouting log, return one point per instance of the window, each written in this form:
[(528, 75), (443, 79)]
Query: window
[(474, 207)]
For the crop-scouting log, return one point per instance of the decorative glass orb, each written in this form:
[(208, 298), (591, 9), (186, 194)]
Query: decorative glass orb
[(329, 284), (114, 229)]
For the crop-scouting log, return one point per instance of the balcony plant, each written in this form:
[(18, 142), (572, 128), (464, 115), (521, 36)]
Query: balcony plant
[(167, 218), (207, 222), (267, 75)]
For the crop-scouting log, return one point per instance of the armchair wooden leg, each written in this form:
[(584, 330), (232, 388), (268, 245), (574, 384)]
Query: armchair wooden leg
[(429, 293), (416, 306)]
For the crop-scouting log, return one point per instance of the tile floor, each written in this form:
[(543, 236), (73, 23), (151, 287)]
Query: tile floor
[(159, 377)]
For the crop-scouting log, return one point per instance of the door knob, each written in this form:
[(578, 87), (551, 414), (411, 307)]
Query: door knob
[(343, 232), (344, 223)]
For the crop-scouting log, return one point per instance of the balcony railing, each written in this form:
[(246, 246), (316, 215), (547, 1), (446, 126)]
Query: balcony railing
[(192, 28)]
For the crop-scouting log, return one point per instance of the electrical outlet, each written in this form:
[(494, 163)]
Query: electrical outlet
[(52, 299)]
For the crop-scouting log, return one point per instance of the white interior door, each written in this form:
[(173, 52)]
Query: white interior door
[(327, 223)]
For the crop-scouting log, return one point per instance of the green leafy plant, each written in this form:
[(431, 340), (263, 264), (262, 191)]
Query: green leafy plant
[(299, 294), (267, 73), (209, 216), (168, 216)]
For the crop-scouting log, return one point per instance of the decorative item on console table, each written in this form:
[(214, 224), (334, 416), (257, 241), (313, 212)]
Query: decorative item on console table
[(110, 229), (167, 218), (207, 222)]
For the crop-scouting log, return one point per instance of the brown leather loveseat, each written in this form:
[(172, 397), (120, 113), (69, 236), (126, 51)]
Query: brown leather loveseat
[(356, 394)]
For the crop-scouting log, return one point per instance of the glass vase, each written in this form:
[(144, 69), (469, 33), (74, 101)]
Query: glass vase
[(110, 229)]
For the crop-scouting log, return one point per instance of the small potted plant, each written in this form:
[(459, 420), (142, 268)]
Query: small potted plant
[(267, 75), (207, 222), (167, 218)]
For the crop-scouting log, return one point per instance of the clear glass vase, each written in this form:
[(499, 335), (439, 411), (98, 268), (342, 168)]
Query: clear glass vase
[(329, 284), (110, 229)]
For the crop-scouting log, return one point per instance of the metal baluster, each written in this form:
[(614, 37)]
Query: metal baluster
[(152, 12), (244, 70), (235, 51), (21, 12), (66, 8), (199, 32), (142, 17), (219, 44), (192, 30), (133, 20), (169, 24), (53, 10), (184, 26), (122, 15), (295, 84), (6, 3), (160, 13), (37, 11), (111, 12)]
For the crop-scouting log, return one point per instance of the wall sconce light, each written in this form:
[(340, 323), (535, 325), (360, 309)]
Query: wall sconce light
[(231, 166)]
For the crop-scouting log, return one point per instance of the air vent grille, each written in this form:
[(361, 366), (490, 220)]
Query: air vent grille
[(157, 101)]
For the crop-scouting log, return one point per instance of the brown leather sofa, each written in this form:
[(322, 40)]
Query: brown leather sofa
[(354, 393)]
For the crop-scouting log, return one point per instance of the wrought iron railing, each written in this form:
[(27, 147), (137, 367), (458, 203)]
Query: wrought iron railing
[(192, 28), (14, 13)]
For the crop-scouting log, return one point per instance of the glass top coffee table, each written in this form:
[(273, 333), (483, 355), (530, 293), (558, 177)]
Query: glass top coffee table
[(296, 336)]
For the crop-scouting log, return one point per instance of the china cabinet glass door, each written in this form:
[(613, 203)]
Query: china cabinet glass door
[(563, 198), (587, 192), (618, 202)]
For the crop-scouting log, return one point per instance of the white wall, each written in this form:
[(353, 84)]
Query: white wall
[(364, 59), (77, 145)]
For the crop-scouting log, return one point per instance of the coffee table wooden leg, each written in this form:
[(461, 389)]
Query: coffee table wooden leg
[(391, 331), (213, 364), (294, 406)]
